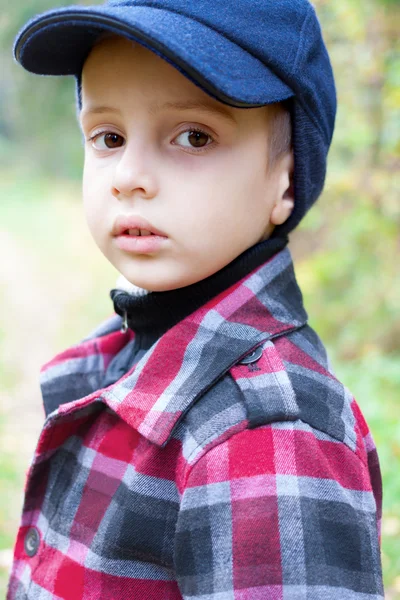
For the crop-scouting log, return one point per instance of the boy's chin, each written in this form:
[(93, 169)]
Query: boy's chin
[(124, 284), (140, 287)]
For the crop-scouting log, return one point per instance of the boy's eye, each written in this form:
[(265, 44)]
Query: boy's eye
[(193, 139), (107, 141)]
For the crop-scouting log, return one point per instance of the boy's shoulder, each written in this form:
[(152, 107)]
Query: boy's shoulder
[(285, 383), (280, 448)]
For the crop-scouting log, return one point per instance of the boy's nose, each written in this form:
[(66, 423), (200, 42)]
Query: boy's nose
[(134, 175)]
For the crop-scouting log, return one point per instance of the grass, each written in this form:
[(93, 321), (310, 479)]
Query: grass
[(54, 289)]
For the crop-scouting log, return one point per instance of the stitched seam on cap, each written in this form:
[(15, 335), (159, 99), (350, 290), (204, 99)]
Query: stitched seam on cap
[(156, 46), (304, 28), (301, 43)]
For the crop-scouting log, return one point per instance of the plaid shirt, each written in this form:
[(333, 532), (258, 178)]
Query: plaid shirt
[(229, 463)]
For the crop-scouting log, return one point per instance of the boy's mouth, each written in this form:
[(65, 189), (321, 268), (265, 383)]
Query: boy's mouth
[(137, 231), (135, 226), (136, 235)]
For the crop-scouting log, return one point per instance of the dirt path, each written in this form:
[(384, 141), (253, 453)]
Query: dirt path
[(25, 310), (27, 307)]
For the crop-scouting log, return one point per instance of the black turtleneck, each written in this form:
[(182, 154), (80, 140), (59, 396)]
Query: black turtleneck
[(152, 314)]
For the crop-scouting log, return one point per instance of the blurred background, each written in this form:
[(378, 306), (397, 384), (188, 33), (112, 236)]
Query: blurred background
[(54, 283)]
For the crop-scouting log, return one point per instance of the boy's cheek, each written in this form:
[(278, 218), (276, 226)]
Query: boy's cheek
[(96, 223), (96, 192)]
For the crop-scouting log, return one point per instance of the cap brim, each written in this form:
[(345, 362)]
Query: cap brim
[(59, 41)]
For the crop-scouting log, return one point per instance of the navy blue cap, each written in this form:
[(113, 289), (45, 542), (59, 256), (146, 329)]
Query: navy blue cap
[(245, 53)]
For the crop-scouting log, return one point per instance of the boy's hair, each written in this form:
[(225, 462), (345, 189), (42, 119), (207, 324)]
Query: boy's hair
[(280, 132)]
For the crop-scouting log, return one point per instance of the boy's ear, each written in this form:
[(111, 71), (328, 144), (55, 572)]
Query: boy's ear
[(284, 203)]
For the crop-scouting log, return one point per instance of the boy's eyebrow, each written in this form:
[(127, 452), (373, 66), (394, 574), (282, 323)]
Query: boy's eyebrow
[(96, 110), (194, 105), (155, 108)]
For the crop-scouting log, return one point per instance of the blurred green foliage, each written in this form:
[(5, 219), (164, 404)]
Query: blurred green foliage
[(347, 248), (11, 480)]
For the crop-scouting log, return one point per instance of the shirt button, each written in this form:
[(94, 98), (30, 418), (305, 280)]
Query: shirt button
[(32, 541), (252, 357)]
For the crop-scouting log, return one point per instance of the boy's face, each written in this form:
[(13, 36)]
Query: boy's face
[(164, 152)]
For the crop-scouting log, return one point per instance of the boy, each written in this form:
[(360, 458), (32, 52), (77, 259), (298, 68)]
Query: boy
[(197, 444)]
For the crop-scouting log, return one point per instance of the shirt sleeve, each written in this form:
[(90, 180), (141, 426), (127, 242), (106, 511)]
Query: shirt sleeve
[(278, 512)]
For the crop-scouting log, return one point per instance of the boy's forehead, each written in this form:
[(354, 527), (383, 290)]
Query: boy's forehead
[(116, 63)]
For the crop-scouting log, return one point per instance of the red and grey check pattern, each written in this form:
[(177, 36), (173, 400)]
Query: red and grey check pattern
[(197, 476)]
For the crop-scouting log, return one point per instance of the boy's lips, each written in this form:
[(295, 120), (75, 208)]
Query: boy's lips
[(137, 235), (125, 224)]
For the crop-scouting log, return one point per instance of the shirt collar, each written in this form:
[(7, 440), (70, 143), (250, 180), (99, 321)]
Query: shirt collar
[(156, 394)]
